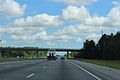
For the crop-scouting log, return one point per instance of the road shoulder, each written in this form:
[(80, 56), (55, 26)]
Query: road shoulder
[(106, 72)]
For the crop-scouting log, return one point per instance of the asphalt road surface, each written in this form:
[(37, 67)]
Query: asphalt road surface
[(45, 70)]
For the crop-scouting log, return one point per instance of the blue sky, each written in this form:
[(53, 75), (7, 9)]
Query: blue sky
[(56, 23)]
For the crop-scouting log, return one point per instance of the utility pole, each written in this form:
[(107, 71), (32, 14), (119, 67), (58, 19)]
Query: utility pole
[(102, 32)]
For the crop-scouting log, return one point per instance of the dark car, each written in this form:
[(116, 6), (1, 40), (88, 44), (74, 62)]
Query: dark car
[(62, 58)]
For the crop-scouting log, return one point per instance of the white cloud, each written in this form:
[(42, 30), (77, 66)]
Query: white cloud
[(26, 34), (43, 36), (114, 17), (39, 36), (111, 20), (11, 9), (81, 14), (71, 32), (82, 32), (92, 26), (19, 30), (3, 42), (116, 2), (75, 30), (77, 2), (73, 13), (61, 38), (87, 27), (22, 37), (96, 21), (41, 20)]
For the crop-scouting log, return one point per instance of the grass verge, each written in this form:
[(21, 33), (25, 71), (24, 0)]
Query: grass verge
[(3, 61), (109, 63)]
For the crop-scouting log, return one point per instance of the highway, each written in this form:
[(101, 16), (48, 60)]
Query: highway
[(46, 70)]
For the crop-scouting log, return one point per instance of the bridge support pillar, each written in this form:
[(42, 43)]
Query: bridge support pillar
[(37, 54), (67, 54), (1, 54)]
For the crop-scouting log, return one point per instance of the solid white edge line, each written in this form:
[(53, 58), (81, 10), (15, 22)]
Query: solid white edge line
[(30, 75), (86, 71)]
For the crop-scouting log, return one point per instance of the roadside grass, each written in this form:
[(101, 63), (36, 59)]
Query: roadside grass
[(109, 63), (3, 61)]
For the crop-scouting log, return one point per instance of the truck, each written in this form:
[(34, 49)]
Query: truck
[(51, 55)]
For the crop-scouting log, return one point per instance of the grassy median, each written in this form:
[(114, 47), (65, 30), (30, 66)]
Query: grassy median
[(8, 60), (109, 63), (2, 61)]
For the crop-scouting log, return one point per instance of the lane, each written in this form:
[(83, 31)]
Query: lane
[(20, 70), (49, 70), (105, 73), (93, 75), (62, 70), (12, 66)]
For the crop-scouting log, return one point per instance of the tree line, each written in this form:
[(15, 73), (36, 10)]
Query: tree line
[(107, 47)]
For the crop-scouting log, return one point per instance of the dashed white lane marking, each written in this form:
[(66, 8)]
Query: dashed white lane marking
[(8, 66), (44, 67), (86, 71), (29, 76)]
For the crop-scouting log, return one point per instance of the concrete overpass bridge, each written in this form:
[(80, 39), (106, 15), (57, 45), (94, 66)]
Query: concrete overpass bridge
[(2, 49), (40, 49)]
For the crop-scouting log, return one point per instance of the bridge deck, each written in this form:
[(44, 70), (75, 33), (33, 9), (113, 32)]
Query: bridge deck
[(40, 49)]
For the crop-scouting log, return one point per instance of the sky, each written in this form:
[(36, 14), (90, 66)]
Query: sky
[(56, 23)]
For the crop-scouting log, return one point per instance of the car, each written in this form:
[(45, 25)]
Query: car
[(62, 58)]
